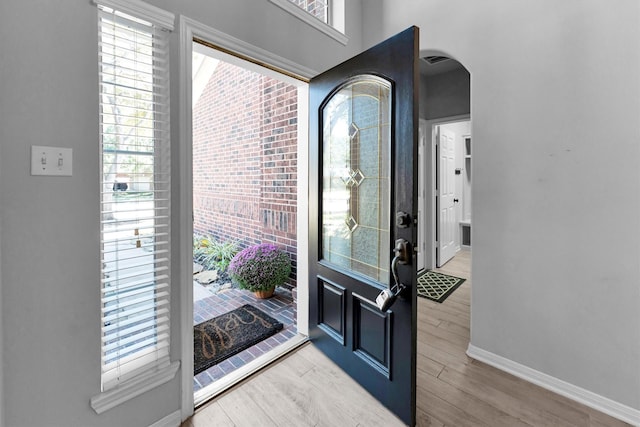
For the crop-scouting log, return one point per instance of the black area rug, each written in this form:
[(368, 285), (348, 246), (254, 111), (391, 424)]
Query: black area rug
[(219, 338), (437, 286)]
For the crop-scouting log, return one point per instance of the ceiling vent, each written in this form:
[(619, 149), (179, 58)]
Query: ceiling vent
[(436, 59)]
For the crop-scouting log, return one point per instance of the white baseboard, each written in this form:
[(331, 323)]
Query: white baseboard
[(171, 420), (573, 392)]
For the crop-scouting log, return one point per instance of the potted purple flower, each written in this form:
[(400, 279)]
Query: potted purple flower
[(260, 269)]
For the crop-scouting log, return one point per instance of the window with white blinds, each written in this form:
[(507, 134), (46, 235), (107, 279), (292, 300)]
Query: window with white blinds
[(135, 193)]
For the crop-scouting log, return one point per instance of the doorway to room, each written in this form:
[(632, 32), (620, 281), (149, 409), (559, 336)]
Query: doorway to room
[(445, 286), (244, 155), (445, 145), (451, 143)]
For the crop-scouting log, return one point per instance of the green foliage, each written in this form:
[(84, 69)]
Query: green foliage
[(213, 254), (260, 267)]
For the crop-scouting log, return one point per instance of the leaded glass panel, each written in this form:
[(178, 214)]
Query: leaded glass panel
[(356, 188)]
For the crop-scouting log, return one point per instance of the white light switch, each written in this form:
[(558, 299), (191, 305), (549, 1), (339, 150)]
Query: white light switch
[(52, 161)]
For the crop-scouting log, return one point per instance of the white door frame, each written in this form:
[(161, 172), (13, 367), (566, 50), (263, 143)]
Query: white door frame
[(190, 29), (431, 216)]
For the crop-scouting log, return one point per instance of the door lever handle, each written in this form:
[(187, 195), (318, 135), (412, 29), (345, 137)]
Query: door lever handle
[(387, 297), (402, 252), (455, 200)]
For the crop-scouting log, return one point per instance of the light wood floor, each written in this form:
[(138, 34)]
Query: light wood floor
[(307, 389)]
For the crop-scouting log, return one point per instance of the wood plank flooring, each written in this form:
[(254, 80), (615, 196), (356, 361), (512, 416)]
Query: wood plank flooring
[(307, 389)]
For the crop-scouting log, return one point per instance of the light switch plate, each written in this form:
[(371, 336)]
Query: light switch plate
[(51, 161)]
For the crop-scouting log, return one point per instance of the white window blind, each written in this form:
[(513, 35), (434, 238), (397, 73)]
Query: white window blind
[(135, 196)]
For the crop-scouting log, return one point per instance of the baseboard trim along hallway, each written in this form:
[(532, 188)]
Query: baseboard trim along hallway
[(570, 391)]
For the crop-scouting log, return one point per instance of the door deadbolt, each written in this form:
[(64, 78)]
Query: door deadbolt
[(403, 219)]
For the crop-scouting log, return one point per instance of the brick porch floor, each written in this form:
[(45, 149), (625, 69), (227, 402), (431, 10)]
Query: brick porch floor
[(280, 307)]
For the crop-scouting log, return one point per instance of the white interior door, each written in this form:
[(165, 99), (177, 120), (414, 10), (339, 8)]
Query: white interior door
[(422, 191), (445, 141)]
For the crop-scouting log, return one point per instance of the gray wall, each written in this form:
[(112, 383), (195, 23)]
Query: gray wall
[(1, 342), (445, 95), (556, 186), (49, 250), (556, 183)]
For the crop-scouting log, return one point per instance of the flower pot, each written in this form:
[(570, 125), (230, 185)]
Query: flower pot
[(264, 294)]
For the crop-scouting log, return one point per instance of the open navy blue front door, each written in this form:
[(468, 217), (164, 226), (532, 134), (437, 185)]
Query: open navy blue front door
[(363, 204)]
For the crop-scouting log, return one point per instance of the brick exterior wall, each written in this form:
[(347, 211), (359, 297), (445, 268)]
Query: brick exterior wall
[(244, 160)]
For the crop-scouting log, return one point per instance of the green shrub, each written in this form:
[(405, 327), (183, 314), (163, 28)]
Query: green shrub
[(212, 254)]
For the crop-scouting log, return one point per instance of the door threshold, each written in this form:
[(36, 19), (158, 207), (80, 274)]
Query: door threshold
[(223, 384)]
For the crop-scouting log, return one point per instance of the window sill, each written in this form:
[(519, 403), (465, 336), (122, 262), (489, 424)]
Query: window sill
[(311, 20), (135, 387)]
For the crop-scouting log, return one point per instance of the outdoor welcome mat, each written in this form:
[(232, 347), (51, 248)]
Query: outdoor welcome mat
[(221, 337), (437, 286)]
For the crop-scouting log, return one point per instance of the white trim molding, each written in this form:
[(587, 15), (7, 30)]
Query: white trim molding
[(171, 420), (313, 21), (430, 212), (232, 44), (185, 213), (563, 388), (190, 29), (143, 10), (135, 387)]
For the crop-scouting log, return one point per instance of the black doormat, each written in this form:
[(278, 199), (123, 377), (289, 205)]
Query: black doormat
[(437, 286), (219, 338)]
